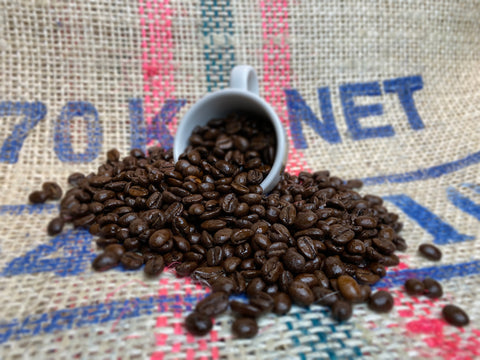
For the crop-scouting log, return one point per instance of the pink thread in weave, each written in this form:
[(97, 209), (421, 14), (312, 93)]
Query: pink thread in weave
[(157, 55), (276, 69)]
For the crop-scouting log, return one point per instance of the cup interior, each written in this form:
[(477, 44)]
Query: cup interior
[(221, 104)]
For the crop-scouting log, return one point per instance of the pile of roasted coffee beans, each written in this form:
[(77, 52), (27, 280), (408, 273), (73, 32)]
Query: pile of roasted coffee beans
[(313, 239)]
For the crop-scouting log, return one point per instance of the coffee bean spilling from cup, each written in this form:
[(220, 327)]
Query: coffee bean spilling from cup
[(312, 240)]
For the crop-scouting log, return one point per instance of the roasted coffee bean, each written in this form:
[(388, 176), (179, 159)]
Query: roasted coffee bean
[(214, 304), (281, 303), (386, 247), (245, 309), (380, 301), (86, 221), (308, 278), (243, 251), (213, 225), (131, 260), (306, 247), (271, 270), (240, 236), (113, 155), (433, 289), (293, 261), (356, 247), (288, 215), (349, 288), (305, 219), (271, 289), (159, 238), (263, 301), (341, 310), (367, 222), (117, 249), (324, 296), (365, 276), (322, 278), (430, 252), (214, 256), (277, 249), (105, 261), (38, 197), (333, 267), (208, 273), (245, 328), (230, 264), (55, 226), (301, 293), (75, 178), (223, 284), (414, 287), (341, 234), (186, 268), (377, 269), (198, 324), (455, 316), (52, 190)]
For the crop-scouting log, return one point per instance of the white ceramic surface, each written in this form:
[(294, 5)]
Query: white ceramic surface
[(242, 95)]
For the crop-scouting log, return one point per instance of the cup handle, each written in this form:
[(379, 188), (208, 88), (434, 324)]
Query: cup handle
[(244, 77)]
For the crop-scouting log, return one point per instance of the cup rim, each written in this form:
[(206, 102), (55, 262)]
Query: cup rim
[(281, 150)]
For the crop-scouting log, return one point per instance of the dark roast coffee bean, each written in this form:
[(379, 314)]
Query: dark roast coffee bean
[(433, 289), (208, 273), (213, 304), (75, 179), (263, 301), (430, 252), (159, 238), (105, 261), (324, 296), (333, 267), (131, 260), (293, 261), (455, 316), (305, 219), (306, 247), (349, 288), (213, 225), (185, 268), (198, 324), (414, 287), (281, 303), (223, 284), (38, 197), (53, 190), (55, 226), (271, 270), (255, 285), (240, 236), (117, 249), (214, 256), (307, 278), (245, 309), (230, 264), (245, 328), (380, 301), (301, 293), (341, 310), (365, 276)]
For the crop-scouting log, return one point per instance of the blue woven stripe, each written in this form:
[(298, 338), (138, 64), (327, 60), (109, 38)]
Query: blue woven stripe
[(218, 49)]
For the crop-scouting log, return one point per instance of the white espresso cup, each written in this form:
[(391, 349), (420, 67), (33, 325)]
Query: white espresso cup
[(241, 96)]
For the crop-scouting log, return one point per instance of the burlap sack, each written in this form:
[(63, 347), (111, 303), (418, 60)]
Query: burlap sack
[(385, 91)]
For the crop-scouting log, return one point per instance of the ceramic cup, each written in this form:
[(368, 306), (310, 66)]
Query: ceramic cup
[(241, 96)]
